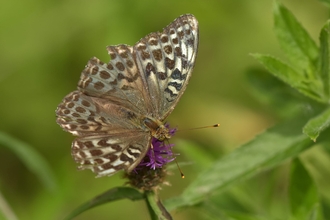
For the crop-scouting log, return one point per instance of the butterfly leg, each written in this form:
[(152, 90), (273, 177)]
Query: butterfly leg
[(152, 151)]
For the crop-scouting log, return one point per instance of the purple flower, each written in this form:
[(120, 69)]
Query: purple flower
[(159, 154)]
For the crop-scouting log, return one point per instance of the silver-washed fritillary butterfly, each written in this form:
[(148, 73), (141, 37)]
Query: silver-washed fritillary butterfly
[(121, 105)]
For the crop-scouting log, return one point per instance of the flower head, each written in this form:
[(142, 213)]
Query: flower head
[(158, 154), (150, 173)]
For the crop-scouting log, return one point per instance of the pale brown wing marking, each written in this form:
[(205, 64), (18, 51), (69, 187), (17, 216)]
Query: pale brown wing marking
[(110, 154)]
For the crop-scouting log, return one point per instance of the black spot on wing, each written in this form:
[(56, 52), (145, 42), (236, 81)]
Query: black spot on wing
[(176, 85), (120, 76), (170, 92), (178, 75), (149, 68)]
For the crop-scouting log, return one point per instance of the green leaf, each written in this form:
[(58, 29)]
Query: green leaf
[(288, 75), (325, 58), (234, 204), (109, 196), (304, 198), (268, 149), (274, 93), (299, 47), (31, 158), (279, 69), (316, 125)]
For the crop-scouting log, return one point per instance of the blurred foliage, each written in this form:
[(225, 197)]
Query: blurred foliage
[(46, 44)]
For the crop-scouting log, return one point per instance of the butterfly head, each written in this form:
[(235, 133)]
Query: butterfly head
[(157, 128)]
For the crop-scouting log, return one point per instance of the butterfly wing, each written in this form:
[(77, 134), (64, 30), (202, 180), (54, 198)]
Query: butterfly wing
[(110, 136), (106, 155), (83, 115), (113, 99), (166, 61), (150, 77), (118, 81)]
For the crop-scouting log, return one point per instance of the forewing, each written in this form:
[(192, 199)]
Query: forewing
[(118, 81), (83, 115), (109, 154), (166, 61)]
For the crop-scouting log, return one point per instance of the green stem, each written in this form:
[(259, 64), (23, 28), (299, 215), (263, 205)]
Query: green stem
[(155, 207)]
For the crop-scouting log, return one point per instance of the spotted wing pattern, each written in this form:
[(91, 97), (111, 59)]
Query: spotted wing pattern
[(107, 110), (118, 81), (106, 155), (109, 139), (166, 61)]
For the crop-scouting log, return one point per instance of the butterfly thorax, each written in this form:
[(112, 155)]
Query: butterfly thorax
[(157, 128)]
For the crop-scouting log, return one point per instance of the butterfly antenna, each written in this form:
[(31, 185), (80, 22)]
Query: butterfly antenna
[(182, 175), (209, 126)]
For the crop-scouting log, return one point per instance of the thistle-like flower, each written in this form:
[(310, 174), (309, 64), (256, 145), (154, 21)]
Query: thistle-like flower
[(150, 173), (158, 155)]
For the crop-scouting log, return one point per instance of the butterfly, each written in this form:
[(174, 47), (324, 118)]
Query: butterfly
[(121, 105)]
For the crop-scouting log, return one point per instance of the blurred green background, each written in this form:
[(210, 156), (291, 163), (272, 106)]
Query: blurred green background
[(46, 44)]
